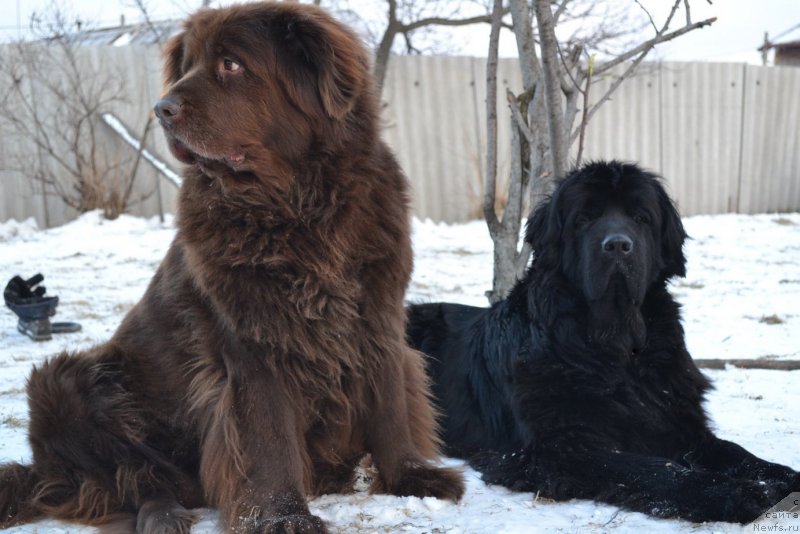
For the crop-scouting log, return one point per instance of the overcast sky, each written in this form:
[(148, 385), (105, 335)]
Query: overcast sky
[(736, 35)]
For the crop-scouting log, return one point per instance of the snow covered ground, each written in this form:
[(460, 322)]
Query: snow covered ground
[(741, 300)]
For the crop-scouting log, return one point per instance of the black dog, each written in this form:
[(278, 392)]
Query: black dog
[(579, 384)]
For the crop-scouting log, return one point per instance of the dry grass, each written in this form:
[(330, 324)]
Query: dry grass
[(771, 319), (14, 422)]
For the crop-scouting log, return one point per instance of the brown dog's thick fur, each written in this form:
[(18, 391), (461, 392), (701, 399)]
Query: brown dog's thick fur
[(267, 356)]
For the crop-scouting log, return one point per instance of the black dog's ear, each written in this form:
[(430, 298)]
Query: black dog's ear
[(536, 231), (673, 236), (543, 230), (336, 58), (173, 58)]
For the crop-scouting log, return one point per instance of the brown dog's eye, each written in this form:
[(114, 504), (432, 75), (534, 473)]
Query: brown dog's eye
[(230, 65)]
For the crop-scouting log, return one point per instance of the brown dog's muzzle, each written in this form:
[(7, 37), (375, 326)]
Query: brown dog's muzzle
[(170, 110)]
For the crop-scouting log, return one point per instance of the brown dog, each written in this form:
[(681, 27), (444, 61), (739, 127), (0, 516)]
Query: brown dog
[(267, 356)]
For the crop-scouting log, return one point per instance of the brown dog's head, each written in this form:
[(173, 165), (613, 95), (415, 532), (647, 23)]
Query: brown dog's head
[(255, 85)]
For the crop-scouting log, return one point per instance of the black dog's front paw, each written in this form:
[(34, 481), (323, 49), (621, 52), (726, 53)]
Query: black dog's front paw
[(781, 486), (794, 483), (749, 500)]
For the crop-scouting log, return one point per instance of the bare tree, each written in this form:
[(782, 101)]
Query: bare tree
[(555, 76), (414, 20), (160, 32), (52, 101)]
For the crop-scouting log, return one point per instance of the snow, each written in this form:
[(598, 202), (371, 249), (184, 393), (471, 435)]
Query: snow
[(13, 228), (123, 40), (741, 300)]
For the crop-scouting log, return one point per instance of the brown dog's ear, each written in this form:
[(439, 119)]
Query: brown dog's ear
[(173, 57), (335, 56)]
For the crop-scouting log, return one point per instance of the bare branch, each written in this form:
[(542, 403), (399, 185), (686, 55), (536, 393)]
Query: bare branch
[(560, 11), (159, 34), (648, 45), (585, 117), (643, 51), (512, 216), (491, 121), (414, 20), (649, 16), (410, 49), (517, 118), (523, 31), (614, 86), (569, 64), (440, 21)]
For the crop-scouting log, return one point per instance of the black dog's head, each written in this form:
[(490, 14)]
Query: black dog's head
[(611, 229)]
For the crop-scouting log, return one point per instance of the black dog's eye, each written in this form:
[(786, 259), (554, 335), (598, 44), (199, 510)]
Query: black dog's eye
[(582, 219), (641, 218)]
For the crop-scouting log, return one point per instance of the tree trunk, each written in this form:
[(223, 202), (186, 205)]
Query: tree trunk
[(508, 265), (531, 102), (393, 26), (552, 84), (527, 153), (382, 58)]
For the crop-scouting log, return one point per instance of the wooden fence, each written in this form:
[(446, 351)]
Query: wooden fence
[(725, 136)]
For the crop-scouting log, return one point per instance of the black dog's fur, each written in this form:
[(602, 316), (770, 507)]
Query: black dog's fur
[(579, 384)]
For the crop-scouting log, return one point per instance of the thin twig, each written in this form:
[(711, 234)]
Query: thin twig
[(560, 11), (650, 43), (649, 16), (642, 50), (584, 113), (148, 22)]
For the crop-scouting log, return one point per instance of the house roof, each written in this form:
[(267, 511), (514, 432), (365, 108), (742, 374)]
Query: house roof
[(788, 39), (780, 46), (140, 33)]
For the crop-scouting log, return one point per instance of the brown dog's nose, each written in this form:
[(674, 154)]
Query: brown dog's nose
[(169, 109)]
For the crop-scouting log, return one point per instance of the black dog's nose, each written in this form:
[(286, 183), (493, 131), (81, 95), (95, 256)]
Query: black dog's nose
[(169, 109), (617, 244)]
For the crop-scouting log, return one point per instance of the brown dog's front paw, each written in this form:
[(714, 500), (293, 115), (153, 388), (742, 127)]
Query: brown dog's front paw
[(425, 481), (294, 524)]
